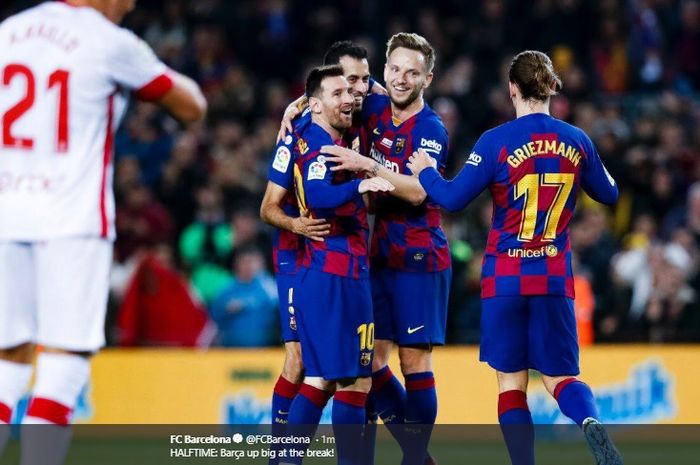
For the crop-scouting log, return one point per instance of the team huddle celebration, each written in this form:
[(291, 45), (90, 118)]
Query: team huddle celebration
[(358, 149), (349, 251)]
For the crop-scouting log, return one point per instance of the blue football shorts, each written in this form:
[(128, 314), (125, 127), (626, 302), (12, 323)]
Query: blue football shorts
[(335, 326), (530, 332), (410, 308)]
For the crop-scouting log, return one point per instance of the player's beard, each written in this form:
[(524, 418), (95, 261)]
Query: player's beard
[(340, 122), (357, 104), (415, 93)]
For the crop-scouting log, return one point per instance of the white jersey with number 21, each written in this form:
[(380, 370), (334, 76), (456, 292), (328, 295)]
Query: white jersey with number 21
[(65, 73)]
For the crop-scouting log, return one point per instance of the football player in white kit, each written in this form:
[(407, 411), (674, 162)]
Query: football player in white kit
[(66, 70)]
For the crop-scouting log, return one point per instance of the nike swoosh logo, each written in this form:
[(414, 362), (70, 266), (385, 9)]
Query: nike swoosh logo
[(280, 412), (413, 330)]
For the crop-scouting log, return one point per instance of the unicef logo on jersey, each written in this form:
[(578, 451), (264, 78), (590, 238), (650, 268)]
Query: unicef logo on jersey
[(550, 251), (645, 397)]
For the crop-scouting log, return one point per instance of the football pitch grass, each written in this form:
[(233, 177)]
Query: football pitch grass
[(657, 445)]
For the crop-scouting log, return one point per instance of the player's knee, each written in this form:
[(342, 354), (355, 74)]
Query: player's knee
[(363, 385), (294, 373), (551, 382), (22, 353), (293, 351), (415, 359), (293, 366), (357, 384), (512, 381), (382, 352), (379, 362)]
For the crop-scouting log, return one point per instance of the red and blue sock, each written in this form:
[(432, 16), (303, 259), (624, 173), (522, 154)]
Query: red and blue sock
[(516, 425), (421, 398), (421, 411), (576, 400), (305, 414), (307, 406), (349, 408), (369, 433), (282, 397), (348, 423), (388, 396)]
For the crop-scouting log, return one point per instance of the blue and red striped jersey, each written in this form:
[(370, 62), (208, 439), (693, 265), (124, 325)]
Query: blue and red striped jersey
[(334, 196), (405, 237), (534, 167), (287, 247)]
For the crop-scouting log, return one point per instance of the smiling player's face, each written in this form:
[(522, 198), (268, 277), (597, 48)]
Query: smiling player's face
[(357, 73), (337, 102), (406, 76)]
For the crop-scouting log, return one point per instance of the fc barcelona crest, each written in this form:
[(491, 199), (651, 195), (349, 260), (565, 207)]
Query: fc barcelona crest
[(302, 146), (399, 144), (365, 358)]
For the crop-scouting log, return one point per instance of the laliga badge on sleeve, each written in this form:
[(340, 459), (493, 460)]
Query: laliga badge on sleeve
[(316, 171), (282, 157)]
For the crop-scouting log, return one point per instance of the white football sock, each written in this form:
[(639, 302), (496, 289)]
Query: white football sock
[(14, 378), (59, 380), (45, 433)]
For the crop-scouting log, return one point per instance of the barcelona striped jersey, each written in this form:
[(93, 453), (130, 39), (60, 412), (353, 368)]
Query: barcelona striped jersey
[(334, 196), (406, 237), (534, 167)]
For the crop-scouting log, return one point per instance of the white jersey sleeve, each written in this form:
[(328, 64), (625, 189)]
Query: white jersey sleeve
[(134, 65)]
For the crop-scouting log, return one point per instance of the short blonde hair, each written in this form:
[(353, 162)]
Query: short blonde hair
[(412, 41)]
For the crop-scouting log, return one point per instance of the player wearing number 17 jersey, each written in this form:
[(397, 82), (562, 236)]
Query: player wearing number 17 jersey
[(534, 167), (65, 73)]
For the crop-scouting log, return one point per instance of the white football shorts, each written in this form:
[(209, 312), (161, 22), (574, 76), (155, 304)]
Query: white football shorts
[(54, 292)]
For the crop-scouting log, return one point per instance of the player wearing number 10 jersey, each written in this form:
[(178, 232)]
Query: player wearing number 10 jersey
[(65, 73), (534, 167)]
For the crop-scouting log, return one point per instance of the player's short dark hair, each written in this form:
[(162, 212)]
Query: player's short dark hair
[(412, 41), (342, 49), (317, 75), (534, 74)]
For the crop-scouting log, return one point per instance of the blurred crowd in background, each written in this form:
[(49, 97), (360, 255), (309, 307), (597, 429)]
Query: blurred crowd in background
[(193, 261)]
